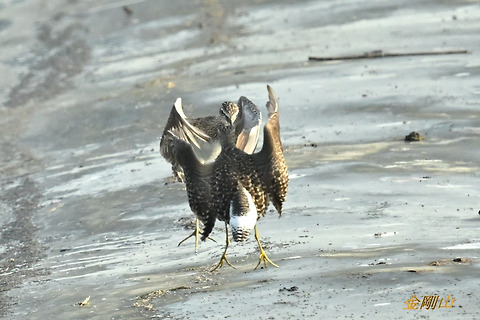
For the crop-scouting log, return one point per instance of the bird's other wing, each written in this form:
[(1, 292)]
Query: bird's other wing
[(270, 161), (248, 125)]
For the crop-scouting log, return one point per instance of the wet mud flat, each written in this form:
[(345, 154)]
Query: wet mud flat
[(90, 219)]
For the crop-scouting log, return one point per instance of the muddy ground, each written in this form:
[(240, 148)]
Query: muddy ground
[(88, 209)]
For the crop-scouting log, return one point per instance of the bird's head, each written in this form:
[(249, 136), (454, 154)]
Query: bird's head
[(230, 111)]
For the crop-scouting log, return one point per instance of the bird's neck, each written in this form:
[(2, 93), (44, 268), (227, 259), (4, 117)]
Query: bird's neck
[(227, 137)]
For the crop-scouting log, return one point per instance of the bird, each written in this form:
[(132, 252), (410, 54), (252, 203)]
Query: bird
[(242, 185), (192, 143), (237, 187)]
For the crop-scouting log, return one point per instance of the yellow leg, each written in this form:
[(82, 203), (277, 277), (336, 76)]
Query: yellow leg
[(224, 255), (263, 255), (195, 233)]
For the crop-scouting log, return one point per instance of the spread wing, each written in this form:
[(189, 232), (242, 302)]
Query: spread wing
[(186, 131), (270, 161), (247, 128)]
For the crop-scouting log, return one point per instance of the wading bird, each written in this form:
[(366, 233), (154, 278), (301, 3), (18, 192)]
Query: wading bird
[(237, 187)]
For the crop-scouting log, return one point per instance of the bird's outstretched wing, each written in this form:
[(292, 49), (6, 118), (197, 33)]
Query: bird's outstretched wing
[(184, 130), (190, 132), (247, 127), (270, 161)]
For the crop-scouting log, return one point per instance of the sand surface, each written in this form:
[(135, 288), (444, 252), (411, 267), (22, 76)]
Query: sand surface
[(88, 209)]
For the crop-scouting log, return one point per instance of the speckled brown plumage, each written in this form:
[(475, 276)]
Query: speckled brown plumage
[(233, 169), (270, 162)]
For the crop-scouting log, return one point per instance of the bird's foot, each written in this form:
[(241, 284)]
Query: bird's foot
[(263, 255), (264, 258), (222, 260), (224, 255), (196, 234)]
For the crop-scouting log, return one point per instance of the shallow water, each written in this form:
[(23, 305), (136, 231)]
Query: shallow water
[(88, 207)]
